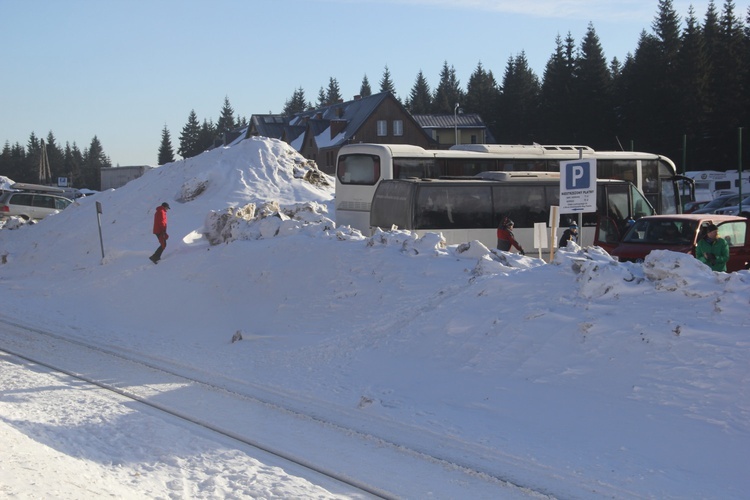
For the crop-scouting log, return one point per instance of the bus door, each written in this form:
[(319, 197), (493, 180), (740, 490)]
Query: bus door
[(617, 205)]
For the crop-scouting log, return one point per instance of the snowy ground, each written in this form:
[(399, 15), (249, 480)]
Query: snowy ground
[(582, 378)]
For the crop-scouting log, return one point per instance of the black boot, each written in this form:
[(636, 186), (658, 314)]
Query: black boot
[(157, 255)]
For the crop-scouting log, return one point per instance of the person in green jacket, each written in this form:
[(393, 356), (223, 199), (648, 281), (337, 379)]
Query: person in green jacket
[(713, 250)]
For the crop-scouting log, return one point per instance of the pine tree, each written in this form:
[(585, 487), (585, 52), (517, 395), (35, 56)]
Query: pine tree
[(206, 136), (322, 98), (333, 94), (593, 94), (364, 88), (73, 164), (55, 156), (166, 153), (667, 89), (420, 97), (226, 121), (482, 94), (518, 102), (448, 92), (692, 73), (556, 105), (636, 102), (727, 89), (93, 161), (189, 137), (296, 104), (386, 83)]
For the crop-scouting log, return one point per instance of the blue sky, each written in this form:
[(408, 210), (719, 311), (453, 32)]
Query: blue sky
[(122, 70)]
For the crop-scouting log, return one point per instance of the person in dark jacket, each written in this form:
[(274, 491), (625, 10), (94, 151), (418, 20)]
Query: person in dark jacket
[(570, 234), (505, 238), (160, 230)]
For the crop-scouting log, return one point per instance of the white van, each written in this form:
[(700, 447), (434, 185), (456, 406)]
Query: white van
[(30, 205)]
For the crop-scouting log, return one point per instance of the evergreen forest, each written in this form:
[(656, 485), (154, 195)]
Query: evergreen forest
[(682, 93)]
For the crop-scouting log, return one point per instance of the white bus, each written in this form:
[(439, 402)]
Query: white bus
[(467, 209), (360, 167)]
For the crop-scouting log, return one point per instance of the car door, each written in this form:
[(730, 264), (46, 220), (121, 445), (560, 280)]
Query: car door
[(43, 206), (737, 236)]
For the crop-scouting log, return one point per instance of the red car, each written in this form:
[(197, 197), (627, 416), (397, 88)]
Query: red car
[(681, 232)]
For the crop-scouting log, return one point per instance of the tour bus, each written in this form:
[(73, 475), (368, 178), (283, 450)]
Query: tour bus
[(360, 167), (471, 208)]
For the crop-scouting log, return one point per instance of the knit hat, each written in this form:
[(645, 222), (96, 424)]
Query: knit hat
[(711, 227)]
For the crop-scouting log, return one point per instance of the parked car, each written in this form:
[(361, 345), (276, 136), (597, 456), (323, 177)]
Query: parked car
[(735, 209), (692, 206), (719, 202), (30, 205), (681, 232)]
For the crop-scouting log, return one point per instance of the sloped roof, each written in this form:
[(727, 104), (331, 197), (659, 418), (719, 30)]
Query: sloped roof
[(268, 125), (317, 122), (354, 113), (450, 121)]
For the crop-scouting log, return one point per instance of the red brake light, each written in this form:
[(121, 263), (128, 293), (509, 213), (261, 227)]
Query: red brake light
[(5, 208)]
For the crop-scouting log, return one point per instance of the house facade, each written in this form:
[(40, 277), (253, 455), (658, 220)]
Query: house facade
[(318, 134), (450, 129)]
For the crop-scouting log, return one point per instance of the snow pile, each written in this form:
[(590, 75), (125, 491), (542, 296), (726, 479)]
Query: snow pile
[(582, 378)]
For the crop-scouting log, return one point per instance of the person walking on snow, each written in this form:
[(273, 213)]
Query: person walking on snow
[(160, 230), (505, 237)]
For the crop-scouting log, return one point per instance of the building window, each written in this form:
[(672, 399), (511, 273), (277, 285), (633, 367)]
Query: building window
[(398, 127), (382, 128)]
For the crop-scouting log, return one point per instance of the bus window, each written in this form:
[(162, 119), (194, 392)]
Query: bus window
[(624, 170), (358, 169), (467, 166), (392, 205), (668, 197), (440, 207), (404, 168), (525, 204), (515, 165)]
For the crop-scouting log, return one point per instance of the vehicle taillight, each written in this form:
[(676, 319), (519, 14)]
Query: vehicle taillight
[(5, 208)]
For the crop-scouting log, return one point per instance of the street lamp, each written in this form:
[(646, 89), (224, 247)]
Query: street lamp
[(455, 121)]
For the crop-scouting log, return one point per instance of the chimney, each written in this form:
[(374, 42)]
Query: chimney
[(357, 97), (337, 126)]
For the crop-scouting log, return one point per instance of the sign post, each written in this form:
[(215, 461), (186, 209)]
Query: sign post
[(99, 219), (578, 188)]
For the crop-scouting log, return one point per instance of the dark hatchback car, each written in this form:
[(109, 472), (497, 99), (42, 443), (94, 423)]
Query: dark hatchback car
[(680, 233), (718, 202)]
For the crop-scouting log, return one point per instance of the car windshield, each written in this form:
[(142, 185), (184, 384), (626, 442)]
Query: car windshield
[(662, 232)]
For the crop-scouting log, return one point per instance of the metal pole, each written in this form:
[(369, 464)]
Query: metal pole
[(684, 154), (99, 219), (739, 166), (455, 121)]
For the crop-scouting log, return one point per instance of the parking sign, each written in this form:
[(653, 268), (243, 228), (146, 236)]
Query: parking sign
[(577, 186)]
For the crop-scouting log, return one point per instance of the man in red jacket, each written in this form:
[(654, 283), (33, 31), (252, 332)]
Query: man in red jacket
[(160, 230)]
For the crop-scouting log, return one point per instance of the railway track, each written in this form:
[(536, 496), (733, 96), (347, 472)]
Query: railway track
[(187, 395)]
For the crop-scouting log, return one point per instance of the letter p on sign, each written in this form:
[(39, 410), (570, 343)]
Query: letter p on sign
[(578, 175)]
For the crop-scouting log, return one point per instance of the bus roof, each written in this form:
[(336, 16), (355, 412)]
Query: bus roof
[(516, 151), (499, 177)]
